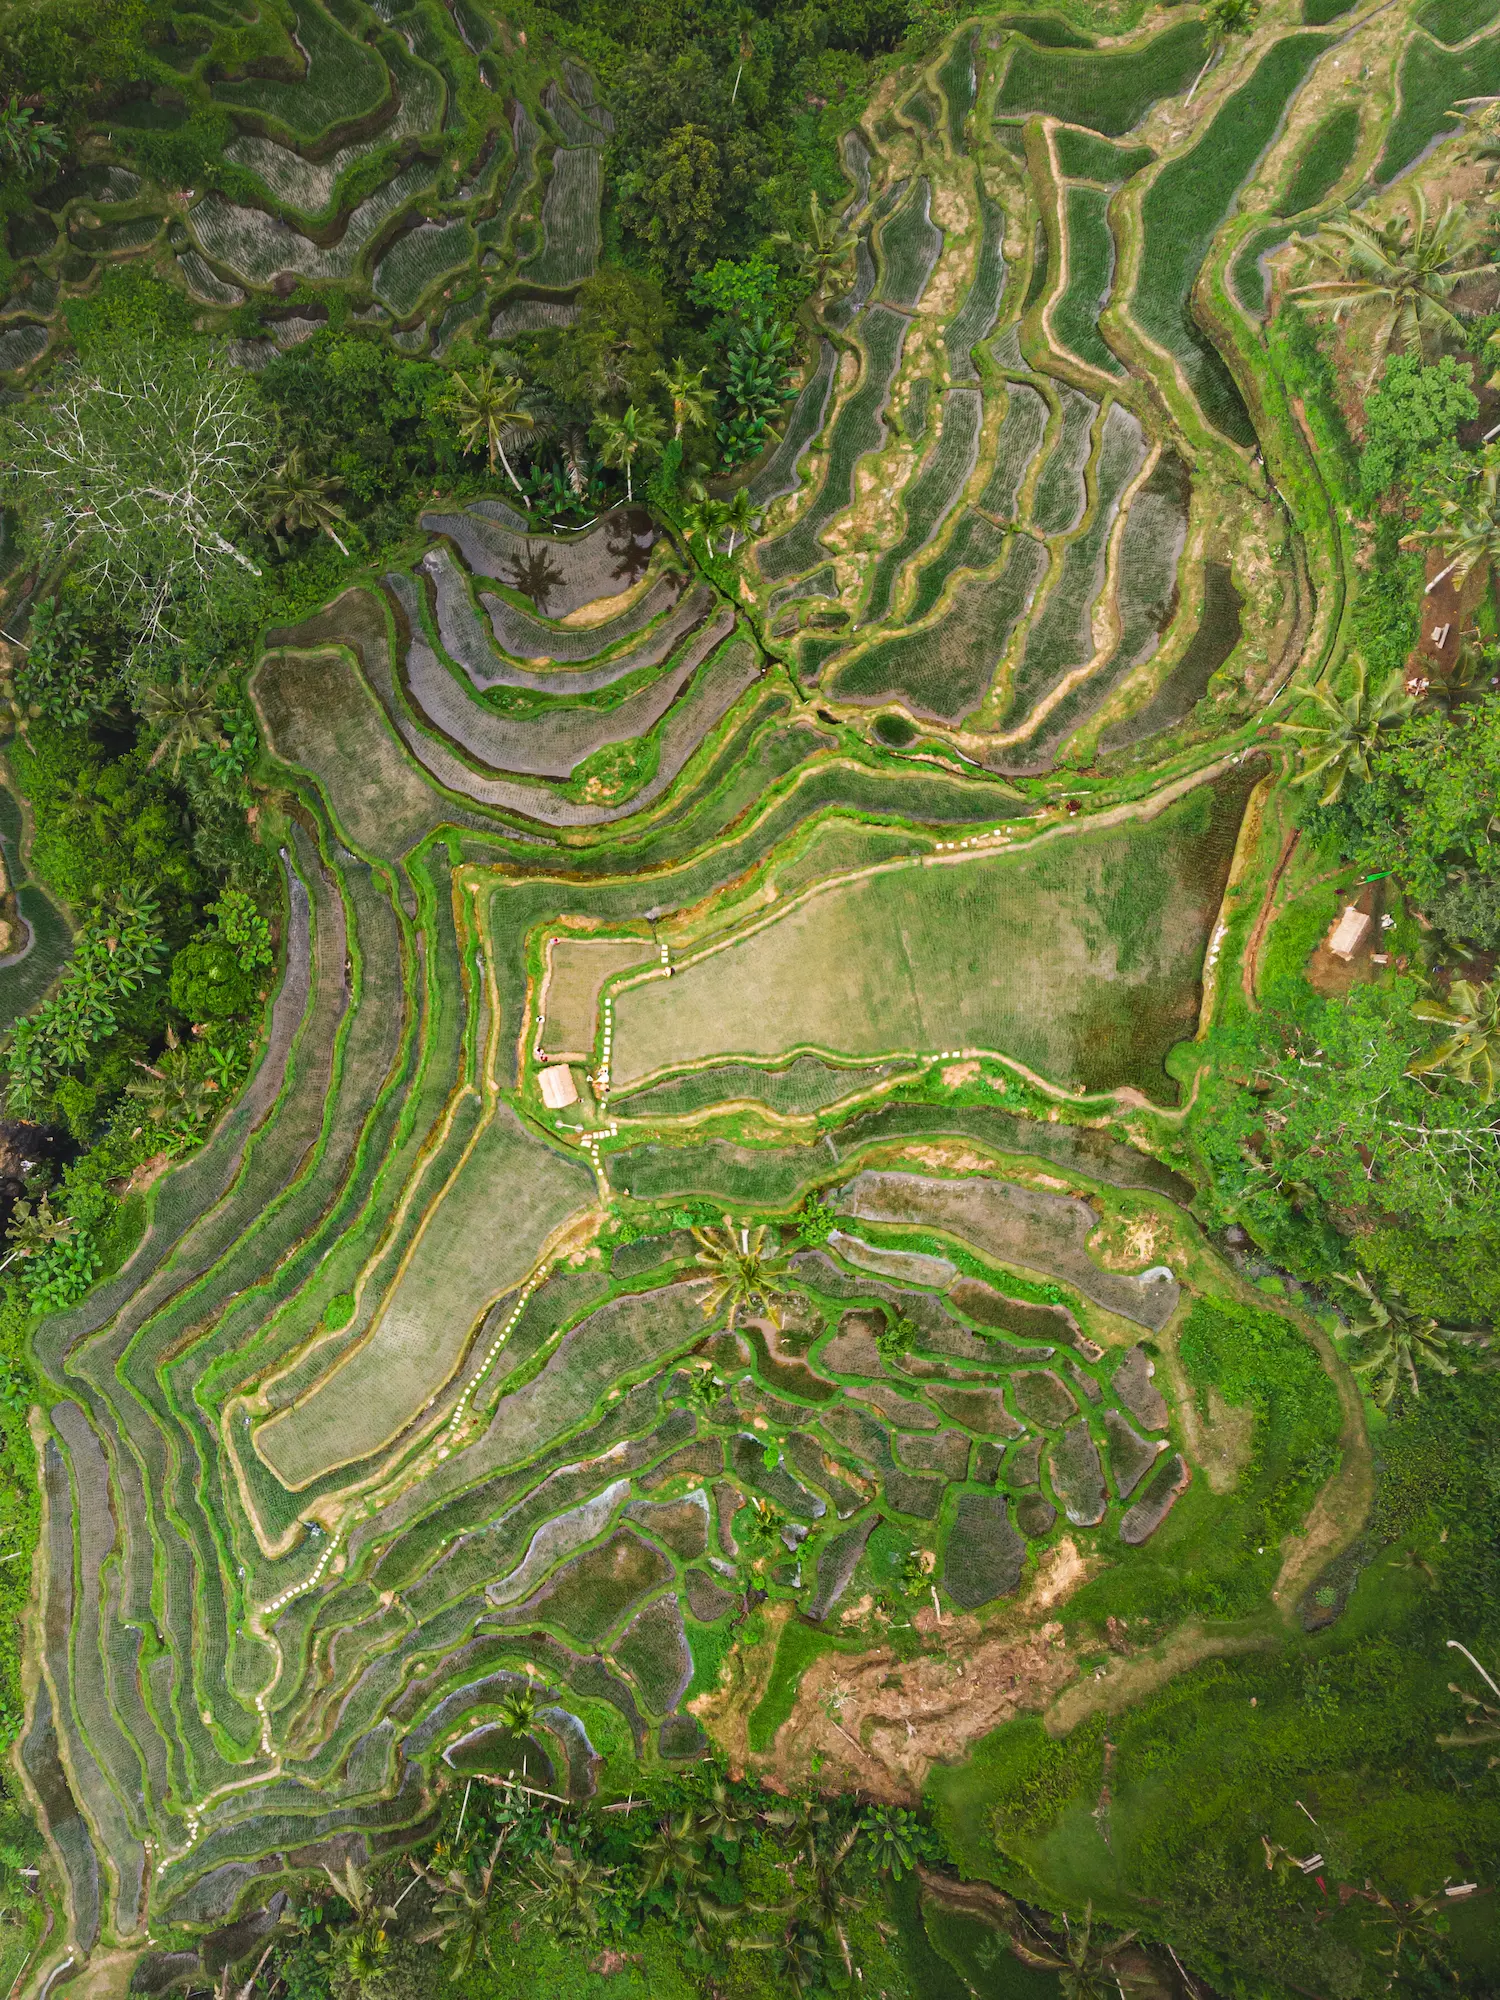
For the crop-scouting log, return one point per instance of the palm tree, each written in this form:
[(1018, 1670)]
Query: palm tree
[(1395, 1340), (297, 498), (741, 514), (365, 1946), (1418, 1933), (462, 1910), (186, 711), (1399, 277), (518, 1710), (1223, 18), (826, 254), (723, 1819), (673, 1851), (173, 1091), (744, 1272), (1470, 1049), (1086, 1969), (891, 1831), (569, 1887), (493, 411), (1469, 532), (1481, 1717), (1339, 745), (623, 439), (692, 404), (706, 517)]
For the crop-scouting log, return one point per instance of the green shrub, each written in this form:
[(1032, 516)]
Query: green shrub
[(1414, 408), (208, 983)]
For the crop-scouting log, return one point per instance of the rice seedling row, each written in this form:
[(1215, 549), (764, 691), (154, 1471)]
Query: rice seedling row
[(344, 80), (1323, 160), (1058, 504), (1091, 274), (570, 220), (308, 186), (1183, 209), (976, 317), (1085, 156), (1061, 634), (910, 243), (1431, 79), (1109, 92), (1150, 549), (974, 544), (858, 428), (930, 496), (945, 669), (780, 473), (1020, 438)]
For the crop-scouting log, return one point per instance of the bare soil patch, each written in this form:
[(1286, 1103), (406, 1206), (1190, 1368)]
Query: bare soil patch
[(882, 1723)]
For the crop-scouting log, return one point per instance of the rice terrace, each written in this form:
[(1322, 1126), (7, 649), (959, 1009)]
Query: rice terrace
[(750, 987)]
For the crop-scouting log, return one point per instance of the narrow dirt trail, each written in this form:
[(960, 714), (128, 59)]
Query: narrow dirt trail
[(1250, 957)]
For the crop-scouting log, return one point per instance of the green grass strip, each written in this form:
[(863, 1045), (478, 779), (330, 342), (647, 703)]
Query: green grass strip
[(1432, 82), (1108, 92), (1322, 160)]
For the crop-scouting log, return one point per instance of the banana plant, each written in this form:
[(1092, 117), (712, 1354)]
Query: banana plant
[(1470, 1048), (1394, 1340), (1340, 742)]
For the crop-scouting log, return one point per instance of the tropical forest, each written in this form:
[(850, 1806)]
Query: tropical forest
[(749, 999)]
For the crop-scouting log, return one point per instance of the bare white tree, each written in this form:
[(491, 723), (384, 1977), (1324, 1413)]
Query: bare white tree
[(138, 471)]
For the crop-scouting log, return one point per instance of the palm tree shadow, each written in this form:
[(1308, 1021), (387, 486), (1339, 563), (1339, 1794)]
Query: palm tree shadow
[(536, 574), (631, 536)]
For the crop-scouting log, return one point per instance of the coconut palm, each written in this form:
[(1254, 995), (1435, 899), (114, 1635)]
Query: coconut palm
[(518, 1710), (174, 1091), (462, 1908), (1417, 1932), (569, 1888), (1471, 1047), (674, 1852), (624, 439), (1086, 1968), (1469, 531), (1397, 278), (1223, 18), (740, 515), (722, 1819), (744, 1271), (706, 517), (692, 404), (1339, 744), (1394, 1339), (494, 410), (296, 498), (186, 713), (826, 254), (1481, 1715), (891, 1831)]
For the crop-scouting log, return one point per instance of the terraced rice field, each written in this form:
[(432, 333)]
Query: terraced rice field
[(611, 907)]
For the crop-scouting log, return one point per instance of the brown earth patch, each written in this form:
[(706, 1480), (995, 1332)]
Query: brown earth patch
[(1331, 978), (955, 1075), (949, 1157), (881, 1723), (1131, 1242)]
